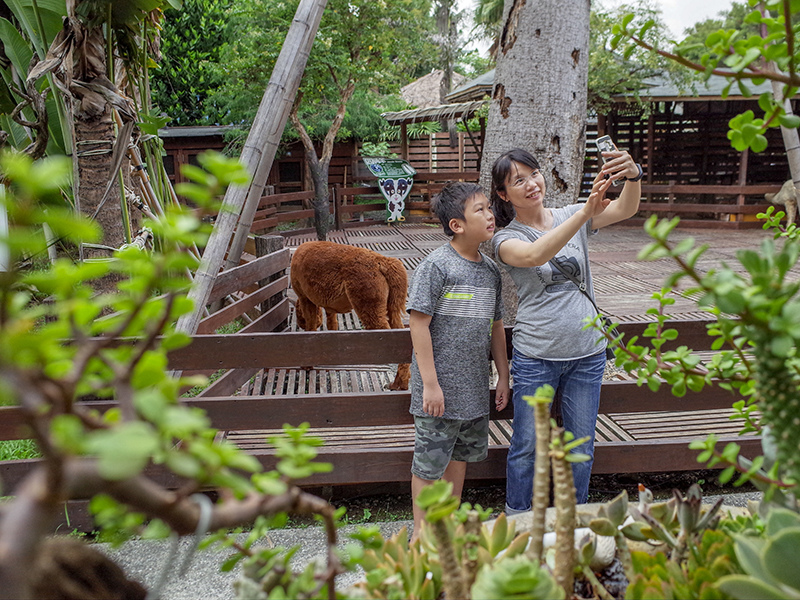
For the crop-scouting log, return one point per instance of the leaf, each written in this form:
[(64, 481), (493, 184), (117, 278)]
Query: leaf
[(124, 451), (742, 586), (782, 559), (790, 121), (15, 47)]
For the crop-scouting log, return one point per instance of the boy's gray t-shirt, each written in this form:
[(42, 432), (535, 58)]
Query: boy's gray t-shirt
[(551, 311), (464, 299)]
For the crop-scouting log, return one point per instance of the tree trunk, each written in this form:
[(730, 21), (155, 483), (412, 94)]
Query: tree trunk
[(539, 97), (319, 166), (94, 136), (322, 199)]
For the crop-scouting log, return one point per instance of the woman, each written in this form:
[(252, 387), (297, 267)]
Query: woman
[(550, 345)]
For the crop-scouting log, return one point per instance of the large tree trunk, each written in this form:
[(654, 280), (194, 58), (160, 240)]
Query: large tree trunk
[(539, 99), (322, 200)]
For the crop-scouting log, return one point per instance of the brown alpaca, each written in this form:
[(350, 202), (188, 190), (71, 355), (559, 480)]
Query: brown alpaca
[(787, 198), (341, 278)]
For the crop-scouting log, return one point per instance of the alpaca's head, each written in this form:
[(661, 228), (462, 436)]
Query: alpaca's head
[(309, 316)]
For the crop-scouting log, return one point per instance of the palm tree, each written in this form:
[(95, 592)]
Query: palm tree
[(95, 35), (487, 18)]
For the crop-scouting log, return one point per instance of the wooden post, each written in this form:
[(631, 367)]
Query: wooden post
[(742, 180), (651, 135), (267, 244), (337, 216), (403, 141), (671, 197), (461, 150)]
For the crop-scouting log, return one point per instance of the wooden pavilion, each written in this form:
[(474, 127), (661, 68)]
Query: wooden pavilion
[(681, 140)]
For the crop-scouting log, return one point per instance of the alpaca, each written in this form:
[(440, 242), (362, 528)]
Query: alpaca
[(341, 278), (786, 198)]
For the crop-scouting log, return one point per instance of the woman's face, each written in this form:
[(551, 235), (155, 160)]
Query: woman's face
[(524, 186)]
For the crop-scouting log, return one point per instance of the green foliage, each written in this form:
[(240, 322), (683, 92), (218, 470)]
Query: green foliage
[(455, 542), (758, 51), (612, 74), (755, 333), (379, 46), (734, 17), (191, 41), (376, 149), (47, 377), (515, 578), (33, 27), (18, 449)]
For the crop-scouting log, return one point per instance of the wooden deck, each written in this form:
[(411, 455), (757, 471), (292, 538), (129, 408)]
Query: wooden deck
[(623, 284)]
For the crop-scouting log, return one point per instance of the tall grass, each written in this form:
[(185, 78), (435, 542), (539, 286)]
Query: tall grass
[(18, 449)]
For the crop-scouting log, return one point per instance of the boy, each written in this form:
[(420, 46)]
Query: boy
[(455, 315)]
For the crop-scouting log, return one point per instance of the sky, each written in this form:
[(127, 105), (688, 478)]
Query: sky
[(680, 14), (677, 14)]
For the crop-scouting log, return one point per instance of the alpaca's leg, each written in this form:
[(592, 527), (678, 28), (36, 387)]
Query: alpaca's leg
[(331, 321)]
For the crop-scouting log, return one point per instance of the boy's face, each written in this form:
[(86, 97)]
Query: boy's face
[(478, 221)]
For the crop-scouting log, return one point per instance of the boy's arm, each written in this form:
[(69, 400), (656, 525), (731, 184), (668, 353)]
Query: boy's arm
[(432, 395), (500, 355)]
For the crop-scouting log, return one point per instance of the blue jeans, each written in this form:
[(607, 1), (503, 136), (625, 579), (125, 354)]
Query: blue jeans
[(580, 382)]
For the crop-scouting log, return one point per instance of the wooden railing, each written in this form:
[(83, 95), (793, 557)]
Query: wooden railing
[(275, 209)]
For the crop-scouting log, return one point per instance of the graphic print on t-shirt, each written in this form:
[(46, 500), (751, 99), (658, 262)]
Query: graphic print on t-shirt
[(560, 280), (467, 301)]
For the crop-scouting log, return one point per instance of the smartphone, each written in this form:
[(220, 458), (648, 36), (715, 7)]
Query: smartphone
[(604, 144)]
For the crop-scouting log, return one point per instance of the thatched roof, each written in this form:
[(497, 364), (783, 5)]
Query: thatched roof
[(424, 92), (434, 113)]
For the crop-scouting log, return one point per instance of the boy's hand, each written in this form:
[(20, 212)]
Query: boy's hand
[(433, 400), (501, 394)]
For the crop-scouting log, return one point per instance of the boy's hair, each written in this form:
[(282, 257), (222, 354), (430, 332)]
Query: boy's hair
[(449, 203)]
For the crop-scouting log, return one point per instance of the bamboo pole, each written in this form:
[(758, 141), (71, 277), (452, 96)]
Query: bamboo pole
[(240, 202)]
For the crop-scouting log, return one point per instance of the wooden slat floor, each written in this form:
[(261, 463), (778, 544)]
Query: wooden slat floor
[(624, 286)]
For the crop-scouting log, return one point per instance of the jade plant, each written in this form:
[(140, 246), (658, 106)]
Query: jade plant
[(57, 352), (756, 329)]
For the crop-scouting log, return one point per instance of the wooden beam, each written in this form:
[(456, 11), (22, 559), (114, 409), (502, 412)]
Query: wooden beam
[(382, 465)]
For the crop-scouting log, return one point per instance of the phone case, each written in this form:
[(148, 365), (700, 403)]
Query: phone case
[(605, 144)]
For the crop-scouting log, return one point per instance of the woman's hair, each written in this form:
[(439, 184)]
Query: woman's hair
[(450, 202), (501, 169)]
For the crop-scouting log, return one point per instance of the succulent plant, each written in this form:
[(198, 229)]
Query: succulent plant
[(771, 563), (659, 577), (444, 559), (541, 471), (518, 578)]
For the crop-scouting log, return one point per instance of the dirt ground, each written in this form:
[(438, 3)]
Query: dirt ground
[(391, 502)]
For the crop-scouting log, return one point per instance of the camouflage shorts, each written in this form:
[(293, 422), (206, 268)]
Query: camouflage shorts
[(437, 441)]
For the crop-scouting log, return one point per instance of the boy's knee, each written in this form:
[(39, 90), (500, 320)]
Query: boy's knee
[(428, 468)]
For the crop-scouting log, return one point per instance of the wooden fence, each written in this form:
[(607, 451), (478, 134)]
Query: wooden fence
[(355, 205), (385, 411)]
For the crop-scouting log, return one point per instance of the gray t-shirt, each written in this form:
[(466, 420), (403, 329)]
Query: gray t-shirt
[(464, 299), (551, 312)]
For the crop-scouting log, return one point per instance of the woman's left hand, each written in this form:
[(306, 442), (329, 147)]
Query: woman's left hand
[(619, 165), (597, 201)]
